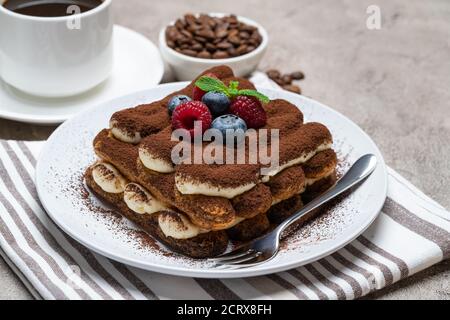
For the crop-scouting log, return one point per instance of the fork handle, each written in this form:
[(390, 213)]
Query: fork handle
[(358, 172)]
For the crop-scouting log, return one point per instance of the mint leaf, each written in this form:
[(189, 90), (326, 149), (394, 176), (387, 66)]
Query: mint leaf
[(234, 85), (254, 93), (210, 84)]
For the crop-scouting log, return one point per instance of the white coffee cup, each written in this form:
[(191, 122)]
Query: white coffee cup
[(56, 56)]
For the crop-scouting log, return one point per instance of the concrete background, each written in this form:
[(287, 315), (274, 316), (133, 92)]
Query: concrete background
[(393, 82)]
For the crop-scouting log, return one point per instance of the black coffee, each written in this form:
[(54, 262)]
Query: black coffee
[(49, 8)]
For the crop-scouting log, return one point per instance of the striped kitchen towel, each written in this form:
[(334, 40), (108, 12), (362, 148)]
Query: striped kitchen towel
[(411, 233)]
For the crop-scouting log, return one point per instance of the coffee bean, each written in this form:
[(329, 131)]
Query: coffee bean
[(204, 55), (200, 39), (189, 52), (186, 33), (189, 18), (232, 51), (297, 75), (233, 19), (273, 74), (287, 79), (233, 33), (221, 33), (242, 49), (224, 45), (180, 24), (250, 49), (205, 33), (171, 44), (279, 81), (192, 28), (234, 40), (244, 35), (248, 28), (171, 33), (210, 46), (220, 55), (292, 88), (197, 47)]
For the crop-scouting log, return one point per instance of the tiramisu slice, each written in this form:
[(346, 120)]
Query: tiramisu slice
[(195, 207)]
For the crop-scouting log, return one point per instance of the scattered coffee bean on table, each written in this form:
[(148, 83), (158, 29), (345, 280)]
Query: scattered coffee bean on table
[(285, 80), (209, 37)]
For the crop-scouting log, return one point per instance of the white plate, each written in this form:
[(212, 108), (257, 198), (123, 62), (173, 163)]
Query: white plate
[(137, 66), (69, 151)]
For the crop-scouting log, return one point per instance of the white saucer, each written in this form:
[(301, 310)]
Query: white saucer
[(137, 66)]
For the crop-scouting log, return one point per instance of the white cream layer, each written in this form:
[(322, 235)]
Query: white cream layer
[(108, 178), (124, 136), (140, 200), (176, 228), (153, 163), (204, 188), (302, 159)]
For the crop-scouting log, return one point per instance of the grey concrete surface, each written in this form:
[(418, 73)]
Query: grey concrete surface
[(393, 82)]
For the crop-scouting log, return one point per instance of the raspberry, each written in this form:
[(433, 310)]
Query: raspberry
[(197, 93), (186, 114), (250, 110)]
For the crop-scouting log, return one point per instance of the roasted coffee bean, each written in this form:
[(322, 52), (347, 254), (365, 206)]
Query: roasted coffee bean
[(287, 79), (233, 19), (220, 55), (171, 33), (292, 88), (180, 24), (224, 45), (234, 40), (279, 81), (186, 33), (197, 47), (192, 28), (242, 49), (210, 47), (248, 28), (212, 37), (233, 33), (297, 75), (273, 74), (232, 51), (171, 44), (189, 18), (221, 33), (204, 55), (250, 48), (205, 33), (189, 52), (200, 39), (244, 35)]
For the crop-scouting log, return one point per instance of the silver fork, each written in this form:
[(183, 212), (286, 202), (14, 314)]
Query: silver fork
[(265, 248)]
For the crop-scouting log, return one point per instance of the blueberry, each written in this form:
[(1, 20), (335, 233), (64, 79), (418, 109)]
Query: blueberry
[(175, 101), (217, 102), (230, 123)]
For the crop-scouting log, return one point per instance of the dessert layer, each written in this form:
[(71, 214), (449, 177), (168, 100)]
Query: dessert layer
[(202, 245), (207, 212)]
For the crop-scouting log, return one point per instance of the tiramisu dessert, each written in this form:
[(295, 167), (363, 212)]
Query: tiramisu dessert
[(196, 207)]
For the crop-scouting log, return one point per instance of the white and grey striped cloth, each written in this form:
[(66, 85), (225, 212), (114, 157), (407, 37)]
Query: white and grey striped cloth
[(411, 234)]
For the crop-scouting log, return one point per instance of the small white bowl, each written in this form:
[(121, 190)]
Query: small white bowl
[(187, 68)]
